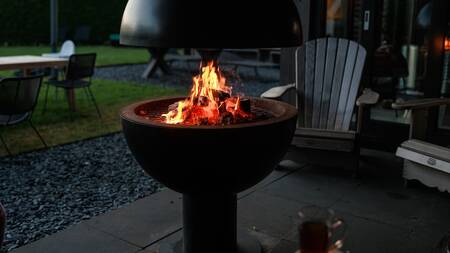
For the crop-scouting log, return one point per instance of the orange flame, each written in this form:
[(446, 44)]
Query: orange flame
[(447, 44), (209, 103)]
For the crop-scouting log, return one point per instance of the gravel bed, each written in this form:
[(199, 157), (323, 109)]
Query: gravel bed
[(46, 191), (245, 81)]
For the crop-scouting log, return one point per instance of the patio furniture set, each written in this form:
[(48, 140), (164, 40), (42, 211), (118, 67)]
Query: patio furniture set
[(19, 95)]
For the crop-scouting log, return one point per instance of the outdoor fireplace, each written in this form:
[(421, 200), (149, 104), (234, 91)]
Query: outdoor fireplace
[(213, 144)]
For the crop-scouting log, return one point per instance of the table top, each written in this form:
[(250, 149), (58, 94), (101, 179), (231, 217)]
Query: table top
[(30, 61), (336, 251)]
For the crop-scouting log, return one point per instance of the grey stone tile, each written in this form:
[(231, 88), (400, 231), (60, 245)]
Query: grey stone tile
[(438, 215), (80, 238), (268, 214), (435, 225), (387, 203), (267, 242), (271, 178), (372, 237), (168, 241), (364, 235), (277, 174), (382, 196), (143, 221), (285, 247), (424, 240), (314, 185)]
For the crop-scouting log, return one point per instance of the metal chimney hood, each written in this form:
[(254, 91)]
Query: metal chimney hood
[(211, 24)]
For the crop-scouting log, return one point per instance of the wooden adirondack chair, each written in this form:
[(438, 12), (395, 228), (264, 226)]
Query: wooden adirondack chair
[(424, 161), (328, 73)]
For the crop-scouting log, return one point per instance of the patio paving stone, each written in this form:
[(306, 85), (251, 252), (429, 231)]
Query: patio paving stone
[(268, 214), (270, 179), (395, 207), (79, 238), (169, 240), (285, 246), (145, 221), (365, 235), (313, 186)]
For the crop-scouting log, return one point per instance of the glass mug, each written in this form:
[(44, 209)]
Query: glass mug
[(320, 231)]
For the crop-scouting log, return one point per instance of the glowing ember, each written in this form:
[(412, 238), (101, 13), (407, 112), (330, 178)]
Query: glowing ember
[(210, 102)]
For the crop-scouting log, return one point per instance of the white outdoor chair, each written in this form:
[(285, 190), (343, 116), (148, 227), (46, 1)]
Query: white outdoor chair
[(423, 161), (67, 49)]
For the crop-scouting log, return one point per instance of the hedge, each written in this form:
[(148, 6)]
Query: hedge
[(27, 22)]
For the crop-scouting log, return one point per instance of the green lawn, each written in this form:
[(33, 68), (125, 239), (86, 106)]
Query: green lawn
[(56, 126), (106, 55)]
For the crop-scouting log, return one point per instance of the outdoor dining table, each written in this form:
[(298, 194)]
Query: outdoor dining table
[(28, 62)]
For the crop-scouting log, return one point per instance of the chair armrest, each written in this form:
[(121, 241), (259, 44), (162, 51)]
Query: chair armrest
[(277, 92), (421, 103), (368, 97)]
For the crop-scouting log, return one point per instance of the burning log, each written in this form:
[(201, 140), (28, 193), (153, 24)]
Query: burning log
[(210, 102), (203, 101), (221, 95), (245, 105), (227, 118), (173, 107)]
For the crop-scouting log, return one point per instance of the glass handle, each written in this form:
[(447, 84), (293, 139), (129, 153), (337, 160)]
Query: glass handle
[(338, 231)]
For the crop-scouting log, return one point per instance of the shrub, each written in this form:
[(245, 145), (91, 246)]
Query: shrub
[(27, 22)]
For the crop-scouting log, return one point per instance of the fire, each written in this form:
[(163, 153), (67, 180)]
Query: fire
[(447, 44), (210, 101)]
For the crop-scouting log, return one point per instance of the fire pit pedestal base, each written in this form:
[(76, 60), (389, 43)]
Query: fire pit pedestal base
[(209, 225), (246, 244)]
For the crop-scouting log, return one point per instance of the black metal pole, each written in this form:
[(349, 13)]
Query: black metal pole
[(53, 24), (209, 222), (53, 33)]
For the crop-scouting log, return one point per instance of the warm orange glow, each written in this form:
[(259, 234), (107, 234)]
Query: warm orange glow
[(447, 44), (210, 101)]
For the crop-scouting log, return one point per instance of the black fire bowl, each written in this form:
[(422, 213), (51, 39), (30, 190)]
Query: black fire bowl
[(209, 165)]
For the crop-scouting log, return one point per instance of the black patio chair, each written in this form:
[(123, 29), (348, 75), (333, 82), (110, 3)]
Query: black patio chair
[(78, 75), (18, 98)]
